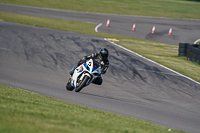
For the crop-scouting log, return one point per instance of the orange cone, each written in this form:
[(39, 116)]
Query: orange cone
[(133, 29), (170, 31), (108, 23), (153, 29)]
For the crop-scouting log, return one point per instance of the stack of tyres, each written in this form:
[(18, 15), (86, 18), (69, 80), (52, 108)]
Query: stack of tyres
[(188, 50), (182, 51), (191, 51), (194, 54)]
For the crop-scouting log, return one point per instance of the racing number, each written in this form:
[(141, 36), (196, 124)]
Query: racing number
[(89, 64)]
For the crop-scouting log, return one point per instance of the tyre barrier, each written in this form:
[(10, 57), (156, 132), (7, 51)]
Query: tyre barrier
[(191, 51)]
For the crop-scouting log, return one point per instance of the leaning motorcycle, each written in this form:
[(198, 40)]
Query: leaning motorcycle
[(83, 75)]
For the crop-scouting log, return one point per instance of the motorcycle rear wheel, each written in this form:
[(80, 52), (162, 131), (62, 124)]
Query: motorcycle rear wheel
[(82, 83)]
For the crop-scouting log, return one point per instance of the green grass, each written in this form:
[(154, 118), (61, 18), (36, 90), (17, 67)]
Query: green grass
[(27, 112), (156, 8), (74, 26), (198, 42), (167, 55)]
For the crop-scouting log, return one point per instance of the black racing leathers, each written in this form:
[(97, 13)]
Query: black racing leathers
[(97, 58)]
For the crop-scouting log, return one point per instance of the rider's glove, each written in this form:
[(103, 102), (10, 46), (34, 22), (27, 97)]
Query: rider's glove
[(94, 55)]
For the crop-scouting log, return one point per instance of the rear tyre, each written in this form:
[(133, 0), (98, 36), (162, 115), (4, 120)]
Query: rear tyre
[(183, 45), (182, 50), (68, 85), (82, 84), (181, 54)]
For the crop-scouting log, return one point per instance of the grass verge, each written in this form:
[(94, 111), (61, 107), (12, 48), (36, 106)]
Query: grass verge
[(164, 54), (167, 56), (157, 8), (22, 111)]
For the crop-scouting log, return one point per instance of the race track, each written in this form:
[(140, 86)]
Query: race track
[(183, 30), (39, 59)]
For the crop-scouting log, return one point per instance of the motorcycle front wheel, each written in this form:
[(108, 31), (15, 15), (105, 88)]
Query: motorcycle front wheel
[(68, 85), (82, 83)]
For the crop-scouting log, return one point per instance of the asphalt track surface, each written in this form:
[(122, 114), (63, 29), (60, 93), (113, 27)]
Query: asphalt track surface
[(183, 30), (39, 59)]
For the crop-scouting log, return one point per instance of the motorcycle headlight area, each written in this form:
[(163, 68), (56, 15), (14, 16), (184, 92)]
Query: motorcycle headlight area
[(96, 72)]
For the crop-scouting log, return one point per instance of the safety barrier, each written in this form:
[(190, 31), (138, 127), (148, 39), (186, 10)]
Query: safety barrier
[(191, 51)]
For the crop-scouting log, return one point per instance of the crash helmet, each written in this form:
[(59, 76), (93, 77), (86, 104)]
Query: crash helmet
[(103, 53)]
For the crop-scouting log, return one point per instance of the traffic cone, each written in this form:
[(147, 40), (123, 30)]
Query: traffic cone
[(170, 31), (108, 23), (153, 30), (133, 29)]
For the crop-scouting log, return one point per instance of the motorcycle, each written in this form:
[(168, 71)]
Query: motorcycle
[(83, 75)]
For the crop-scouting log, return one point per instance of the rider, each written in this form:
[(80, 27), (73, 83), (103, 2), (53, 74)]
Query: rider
[(101, 57)]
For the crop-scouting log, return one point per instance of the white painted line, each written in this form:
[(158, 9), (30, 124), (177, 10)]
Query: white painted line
[(96, 28), (198, 40), (152, 61)]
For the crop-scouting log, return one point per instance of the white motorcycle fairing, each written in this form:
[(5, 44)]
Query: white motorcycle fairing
[(90, 69)]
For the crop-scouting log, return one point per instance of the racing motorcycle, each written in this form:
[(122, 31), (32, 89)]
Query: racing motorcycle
[(83, 75)]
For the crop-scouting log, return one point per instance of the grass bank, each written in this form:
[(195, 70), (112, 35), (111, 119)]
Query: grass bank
[(164, 54), (26, 112), (157, 8), (167, 56)]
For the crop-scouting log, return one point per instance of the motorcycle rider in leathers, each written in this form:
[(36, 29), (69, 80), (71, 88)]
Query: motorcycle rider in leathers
[(101, 57)]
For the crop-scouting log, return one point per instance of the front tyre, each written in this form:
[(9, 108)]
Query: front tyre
[(68, 85), (82, 83)]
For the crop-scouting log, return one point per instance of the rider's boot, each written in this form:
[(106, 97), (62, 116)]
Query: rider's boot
[(72, 71), (98, 81)]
